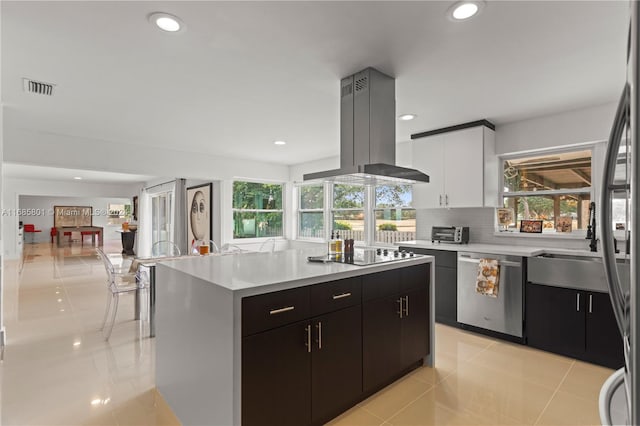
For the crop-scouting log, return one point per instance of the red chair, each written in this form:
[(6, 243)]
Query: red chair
[(54, 232), (31, 229)]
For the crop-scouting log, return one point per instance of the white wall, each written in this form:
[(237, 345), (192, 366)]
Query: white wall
[(583, 125), (12, 189), (91, 154), (567, 128), (44, 222)]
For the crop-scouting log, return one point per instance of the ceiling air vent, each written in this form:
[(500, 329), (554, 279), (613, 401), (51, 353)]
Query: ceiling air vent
[(37, 87)]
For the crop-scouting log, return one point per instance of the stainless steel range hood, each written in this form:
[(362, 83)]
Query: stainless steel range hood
[(368, 133)]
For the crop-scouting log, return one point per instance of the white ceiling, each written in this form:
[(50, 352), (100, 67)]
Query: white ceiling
[(247, 73)]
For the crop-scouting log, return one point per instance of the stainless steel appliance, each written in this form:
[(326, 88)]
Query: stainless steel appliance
[(450, 234), (503, 313), (620, 182), (363, 256), (368, 133)]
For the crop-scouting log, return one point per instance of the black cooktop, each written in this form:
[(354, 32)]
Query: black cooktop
[(363, 256)]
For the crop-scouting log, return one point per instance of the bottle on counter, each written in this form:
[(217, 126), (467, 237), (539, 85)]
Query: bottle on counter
[(332, 245), (338, 243)]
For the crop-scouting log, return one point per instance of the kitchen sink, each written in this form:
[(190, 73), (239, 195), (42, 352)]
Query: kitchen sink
[(573, 271)]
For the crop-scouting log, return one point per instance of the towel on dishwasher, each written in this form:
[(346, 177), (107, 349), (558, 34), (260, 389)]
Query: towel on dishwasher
[(488, 277)]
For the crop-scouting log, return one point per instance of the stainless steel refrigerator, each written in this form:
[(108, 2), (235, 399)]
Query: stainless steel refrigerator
[(620, 395)]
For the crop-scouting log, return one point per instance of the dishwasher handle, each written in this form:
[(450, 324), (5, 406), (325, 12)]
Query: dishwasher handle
[(507, 263)]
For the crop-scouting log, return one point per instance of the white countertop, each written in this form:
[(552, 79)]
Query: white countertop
[(507, 249), (288, 267)]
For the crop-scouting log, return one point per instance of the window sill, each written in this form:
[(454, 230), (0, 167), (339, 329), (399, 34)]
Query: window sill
[(580, 235)]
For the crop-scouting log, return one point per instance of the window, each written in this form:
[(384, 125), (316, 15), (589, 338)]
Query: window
[(118, 213), (161, 217), (348, 211), (395, 220), (257, 210), (548, 187), (311, 211)]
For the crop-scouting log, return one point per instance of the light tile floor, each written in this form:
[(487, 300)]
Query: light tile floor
[(58, 370)]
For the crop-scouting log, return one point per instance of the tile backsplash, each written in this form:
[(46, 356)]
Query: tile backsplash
[(482, 228)]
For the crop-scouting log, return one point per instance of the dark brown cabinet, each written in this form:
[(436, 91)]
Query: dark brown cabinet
[(275, 377), (306, 372), (395, 332), (446, 293), (336, 363), (307, 352), (575, 323), (603, 338)]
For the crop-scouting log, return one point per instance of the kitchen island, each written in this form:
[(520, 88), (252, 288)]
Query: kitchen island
[(272, 338)]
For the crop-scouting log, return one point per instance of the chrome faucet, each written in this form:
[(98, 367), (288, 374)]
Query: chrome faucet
[(591, 228)]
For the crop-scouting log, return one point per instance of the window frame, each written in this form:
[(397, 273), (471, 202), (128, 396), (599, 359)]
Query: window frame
[(591, 190), (377, 209), (326, 187), (282, 210), (365, 209)]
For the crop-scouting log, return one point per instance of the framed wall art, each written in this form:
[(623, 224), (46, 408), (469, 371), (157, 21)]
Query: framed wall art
[(72, 216), (531, 226), (564, 224), (199, 213), (505, 218)]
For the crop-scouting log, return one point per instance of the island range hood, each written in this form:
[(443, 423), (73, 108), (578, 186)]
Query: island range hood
[(368, 134)]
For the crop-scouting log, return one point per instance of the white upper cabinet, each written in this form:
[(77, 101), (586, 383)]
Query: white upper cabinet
[(462, 168)]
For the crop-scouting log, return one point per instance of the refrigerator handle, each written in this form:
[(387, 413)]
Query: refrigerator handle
[(618, 299)]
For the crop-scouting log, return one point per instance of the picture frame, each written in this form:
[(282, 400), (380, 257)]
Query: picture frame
[(505, 217), (531, 226), (199, 218), (564, 224), (72, 216), (134, 214)]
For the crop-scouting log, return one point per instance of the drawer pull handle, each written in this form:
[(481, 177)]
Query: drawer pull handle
[(281, 310), (401, 306), (341, 296), (308, 342)]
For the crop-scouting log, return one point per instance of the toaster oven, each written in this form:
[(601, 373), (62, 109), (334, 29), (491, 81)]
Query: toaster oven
[(450, 234)]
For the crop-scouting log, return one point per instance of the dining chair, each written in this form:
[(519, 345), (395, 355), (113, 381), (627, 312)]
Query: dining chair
[(118, 282), (231, 248), (195, 246), (268, 245), (165, 248)]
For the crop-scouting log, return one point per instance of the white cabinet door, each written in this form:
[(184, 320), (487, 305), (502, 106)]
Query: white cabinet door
[(428, 157), (464, 168)]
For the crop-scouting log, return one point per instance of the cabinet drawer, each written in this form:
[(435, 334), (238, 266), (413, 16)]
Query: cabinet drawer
[(380, 284), (271, 310), (334, 295)]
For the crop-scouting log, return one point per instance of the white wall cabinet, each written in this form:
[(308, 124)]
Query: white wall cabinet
[(462, 167)]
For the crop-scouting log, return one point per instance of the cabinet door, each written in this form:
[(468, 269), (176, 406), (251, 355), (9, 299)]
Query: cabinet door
[(336, 363), (428, 156), (446, 295), (276, 377), (604, 341), (415, 326), (555, 319), (464, 168), (380, 341)]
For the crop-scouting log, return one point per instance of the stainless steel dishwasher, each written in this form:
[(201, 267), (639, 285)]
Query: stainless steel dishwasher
[(503, 313)]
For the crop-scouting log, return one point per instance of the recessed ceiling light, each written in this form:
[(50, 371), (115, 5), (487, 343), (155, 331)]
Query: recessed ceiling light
[(77, 178), (465, 10), (407, 117), (280, 143), (166, 22)]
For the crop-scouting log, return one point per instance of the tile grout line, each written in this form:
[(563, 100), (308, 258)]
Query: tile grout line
[(573, 363)]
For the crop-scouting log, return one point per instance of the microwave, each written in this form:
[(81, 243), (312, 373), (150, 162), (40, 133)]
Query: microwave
[(450, 234)]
